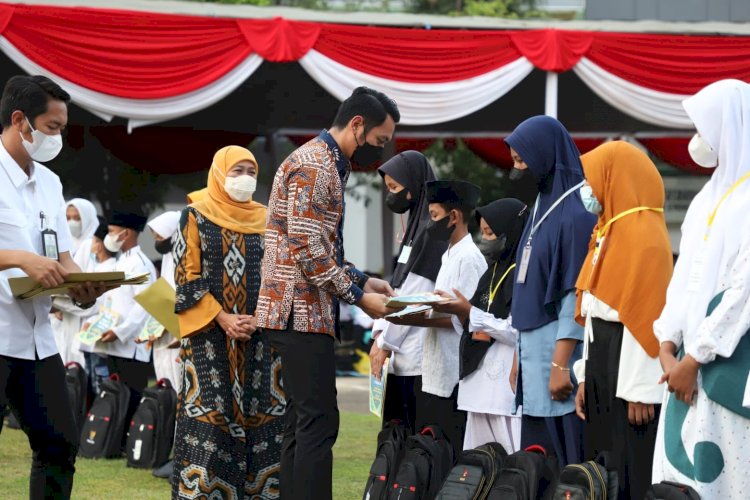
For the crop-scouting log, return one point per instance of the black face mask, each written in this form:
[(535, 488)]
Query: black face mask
[(439, 229), (493, 249), (397, 202), (163, 246), (516, 174), (366, 154)]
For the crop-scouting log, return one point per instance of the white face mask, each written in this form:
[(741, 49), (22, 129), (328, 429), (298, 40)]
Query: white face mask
[(589, 200), (111, 242), (702, 153), (240, 188), (45, 147), (76, 227)]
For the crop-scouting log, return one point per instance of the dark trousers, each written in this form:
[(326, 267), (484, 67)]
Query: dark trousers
[(36, 392), (134, 374), (443, 412), (312, 414), (560, 436), (630, 447), (400, 401)]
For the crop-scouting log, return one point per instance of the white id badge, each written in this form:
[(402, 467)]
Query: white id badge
[(405, 253), (49, 244), (524, 266), (696, 272)]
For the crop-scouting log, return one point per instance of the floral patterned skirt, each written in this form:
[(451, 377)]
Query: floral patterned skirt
[(229, 419)]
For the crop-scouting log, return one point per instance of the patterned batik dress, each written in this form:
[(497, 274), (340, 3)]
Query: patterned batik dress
[(229, 419)]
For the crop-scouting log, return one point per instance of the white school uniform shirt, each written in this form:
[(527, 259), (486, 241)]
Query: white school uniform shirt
[(462, 266), (132, 317), (406, 342), (487, 389), (638, 375), (25, 330)]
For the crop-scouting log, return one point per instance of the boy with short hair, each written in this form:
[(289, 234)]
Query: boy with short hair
[(451, 206)]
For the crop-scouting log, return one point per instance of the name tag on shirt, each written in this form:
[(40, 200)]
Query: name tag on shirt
[(523, 267), (405, 254), (49, 244)]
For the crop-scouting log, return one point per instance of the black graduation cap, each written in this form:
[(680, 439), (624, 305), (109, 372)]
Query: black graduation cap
[(129, 220), (456, 192), (102, 229)]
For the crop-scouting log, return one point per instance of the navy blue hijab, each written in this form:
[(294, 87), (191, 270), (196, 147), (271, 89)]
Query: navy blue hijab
[(560, 244)]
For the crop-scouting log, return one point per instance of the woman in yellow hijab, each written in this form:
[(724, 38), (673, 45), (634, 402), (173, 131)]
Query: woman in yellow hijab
[(228, 422), (622, 288)]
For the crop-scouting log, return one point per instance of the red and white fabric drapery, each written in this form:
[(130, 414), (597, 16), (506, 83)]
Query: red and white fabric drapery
[(150, 67)]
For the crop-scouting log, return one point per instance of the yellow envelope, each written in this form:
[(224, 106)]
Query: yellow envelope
[(26, 288), (158, 300)]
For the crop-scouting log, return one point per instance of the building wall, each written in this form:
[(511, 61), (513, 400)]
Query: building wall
[(669, 10)]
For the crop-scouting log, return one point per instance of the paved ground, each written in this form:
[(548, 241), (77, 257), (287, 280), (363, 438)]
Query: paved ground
[(353, 394)]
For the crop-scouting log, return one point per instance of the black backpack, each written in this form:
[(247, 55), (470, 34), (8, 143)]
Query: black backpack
[(426, 463), (101, 436), (151, 432), (589, 480), (388, 456), (526, 475), (474, 474), (76, 382), (667, 490)]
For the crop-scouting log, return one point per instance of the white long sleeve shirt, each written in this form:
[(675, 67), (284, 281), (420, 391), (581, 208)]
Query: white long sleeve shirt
[(25, 330), (462, 266), (406, 342), (132, 317), (487, 389), (639, 373)]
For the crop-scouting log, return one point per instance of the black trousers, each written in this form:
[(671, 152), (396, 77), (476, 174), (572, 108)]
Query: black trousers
[(400, 401), (607, 428), (312, 414), (36, 392), (443, 412)]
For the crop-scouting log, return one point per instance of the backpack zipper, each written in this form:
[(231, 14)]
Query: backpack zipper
[(479, 495), (588, 476), (603, 482)]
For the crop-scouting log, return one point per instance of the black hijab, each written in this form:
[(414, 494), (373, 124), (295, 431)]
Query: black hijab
[(412, 170), (505, 217)]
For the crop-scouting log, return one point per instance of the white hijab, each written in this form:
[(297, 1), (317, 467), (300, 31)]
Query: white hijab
[(89, 221), (165, 226), (721, 114)]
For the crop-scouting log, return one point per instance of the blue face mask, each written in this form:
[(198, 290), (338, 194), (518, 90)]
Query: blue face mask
[(589, 200)]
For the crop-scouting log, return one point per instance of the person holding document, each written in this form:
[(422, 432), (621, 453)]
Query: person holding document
[(229, 420), (418, 264), (35, 241), (451, 205), (488, 344), (552, 250)]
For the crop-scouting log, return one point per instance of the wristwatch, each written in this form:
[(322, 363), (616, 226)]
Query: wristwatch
[(82, 306)]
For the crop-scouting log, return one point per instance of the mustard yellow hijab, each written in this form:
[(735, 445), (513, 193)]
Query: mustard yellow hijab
[(246, 218), (197, 195), (635, 263)]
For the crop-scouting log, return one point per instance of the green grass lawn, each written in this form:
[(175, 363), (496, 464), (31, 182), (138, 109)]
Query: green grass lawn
[(105, 479)]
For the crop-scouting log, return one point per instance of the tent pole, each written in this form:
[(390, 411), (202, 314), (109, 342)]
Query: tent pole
[(550, 99)]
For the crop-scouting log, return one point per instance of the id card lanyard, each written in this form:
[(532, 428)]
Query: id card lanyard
[(403, 257), (49, 239), (696, 266), (526, 254), (601, 232), (493, 291)]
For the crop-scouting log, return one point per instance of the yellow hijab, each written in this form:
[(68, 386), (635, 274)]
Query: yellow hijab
[(635, 262), (246, 218), (196, 195)]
